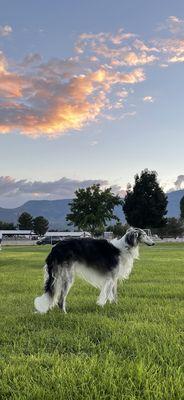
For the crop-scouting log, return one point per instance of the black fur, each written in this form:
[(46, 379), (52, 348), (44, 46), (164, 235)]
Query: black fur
[(97, 253), (131, 238)]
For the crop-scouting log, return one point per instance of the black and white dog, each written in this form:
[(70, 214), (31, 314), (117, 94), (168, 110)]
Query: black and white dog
[(98, 261)]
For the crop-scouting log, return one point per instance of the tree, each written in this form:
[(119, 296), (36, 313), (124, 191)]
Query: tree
[(7, 225), (173, 228), (145, 205), (92, 208), (182, 208), (40, 225), (25, 221)]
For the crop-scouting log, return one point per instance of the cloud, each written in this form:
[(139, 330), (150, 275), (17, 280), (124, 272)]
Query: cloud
[(123, 93), (14, 192), (116, 189), (30, 59), (171, 46), (62, 95), (172, 24), (132, 59), (179, 183), (61, 188), (148, 99), (5, 30), (173, 185), (128, 114), (94, 143), (172, 49), (120, 49), (54, 98)]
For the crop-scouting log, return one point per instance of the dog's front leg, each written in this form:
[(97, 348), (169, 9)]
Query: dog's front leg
[(114, 292), (105, 292)]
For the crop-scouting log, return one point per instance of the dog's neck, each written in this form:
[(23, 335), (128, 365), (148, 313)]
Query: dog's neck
[(123, 246)]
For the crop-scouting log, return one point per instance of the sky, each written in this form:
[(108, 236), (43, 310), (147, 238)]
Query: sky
[(89, 92)]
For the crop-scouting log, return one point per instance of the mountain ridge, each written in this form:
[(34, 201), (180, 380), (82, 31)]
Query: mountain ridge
[(56, 210)]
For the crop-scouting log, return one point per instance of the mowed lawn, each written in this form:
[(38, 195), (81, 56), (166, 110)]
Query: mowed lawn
[(132, 350)]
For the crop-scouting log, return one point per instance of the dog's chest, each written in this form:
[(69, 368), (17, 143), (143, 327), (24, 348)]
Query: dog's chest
[(125, 266), (90, 275)]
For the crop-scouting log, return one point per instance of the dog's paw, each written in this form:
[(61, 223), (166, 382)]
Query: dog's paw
[(100, 303)]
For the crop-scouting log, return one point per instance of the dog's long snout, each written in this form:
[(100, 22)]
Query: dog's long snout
[(149, 241)]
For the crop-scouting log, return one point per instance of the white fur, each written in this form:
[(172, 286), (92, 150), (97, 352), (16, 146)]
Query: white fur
[(127, 257), (43, 303), (90, 275)]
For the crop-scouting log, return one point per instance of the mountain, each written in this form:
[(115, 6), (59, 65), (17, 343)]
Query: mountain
[(55, 210), (174, 203)]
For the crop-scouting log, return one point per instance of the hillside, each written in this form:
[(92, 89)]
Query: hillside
[(55, 210)]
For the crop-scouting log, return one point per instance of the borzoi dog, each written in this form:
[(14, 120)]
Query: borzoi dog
[(99, 262)]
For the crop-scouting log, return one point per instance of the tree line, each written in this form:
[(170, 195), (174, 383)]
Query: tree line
[(26, 222)]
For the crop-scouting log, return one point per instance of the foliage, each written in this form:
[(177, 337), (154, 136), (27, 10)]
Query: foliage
[(25, 221), (7, 225), (132, 350), (118, 229), (173, 228), (40, 225), (182, 208), (145, 205), (92, 208)]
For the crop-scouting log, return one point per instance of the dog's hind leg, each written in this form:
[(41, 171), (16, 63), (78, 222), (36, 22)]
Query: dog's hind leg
[(47, 300), (67, 279)]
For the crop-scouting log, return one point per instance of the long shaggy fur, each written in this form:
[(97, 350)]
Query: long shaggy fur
[(99, 262)]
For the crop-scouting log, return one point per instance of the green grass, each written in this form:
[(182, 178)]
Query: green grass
[(132, 350)]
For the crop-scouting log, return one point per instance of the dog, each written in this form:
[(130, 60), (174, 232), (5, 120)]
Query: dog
[(99, 262)]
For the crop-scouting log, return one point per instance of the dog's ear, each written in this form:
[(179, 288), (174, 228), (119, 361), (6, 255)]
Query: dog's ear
[(131, 238)]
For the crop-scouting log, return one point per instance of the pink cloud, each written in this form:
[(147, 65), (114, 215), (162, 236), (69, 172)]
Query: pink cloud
[(62, 95)]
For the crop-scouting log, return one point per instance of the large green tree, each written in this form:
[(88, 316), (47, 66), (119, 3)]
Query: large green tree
[(25, 221), (182, 208), (145, 205), (40, 225), (92, 208)]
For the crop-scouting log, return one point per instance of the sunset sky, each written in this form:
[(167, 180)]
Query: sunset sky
[(89, 92)]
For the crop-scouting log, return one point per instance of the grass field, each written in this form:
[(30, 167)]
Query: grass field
[(133, 350)]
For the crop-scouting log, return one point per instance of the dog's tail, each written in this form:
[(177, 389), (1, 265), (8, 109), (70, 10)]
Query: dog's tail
[(47, 300)]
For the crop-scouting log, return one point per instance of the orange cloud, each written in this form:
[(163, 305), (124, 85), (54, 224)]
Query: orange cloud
[(56, 98), (172, 49), (61, 95), (121, 49), (10, 83)]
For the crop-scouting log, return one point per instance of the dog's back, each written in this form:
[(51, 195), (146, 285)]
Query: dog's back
[(96, 253)]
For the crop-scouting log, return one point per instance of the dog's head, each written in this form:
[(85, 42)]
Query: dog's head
[(134, 236)]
